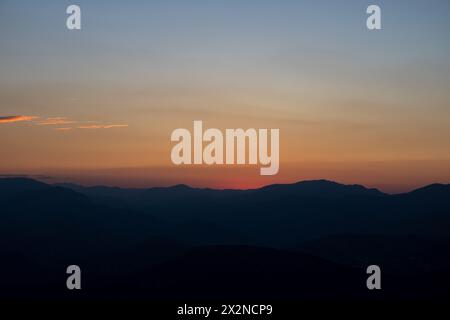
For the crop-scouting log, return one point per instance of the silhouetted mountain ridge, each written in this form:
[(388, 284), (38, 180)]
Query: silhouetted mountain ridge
[(9, 186), (306, 188), (321, 188), (288, 241), (436, 189)]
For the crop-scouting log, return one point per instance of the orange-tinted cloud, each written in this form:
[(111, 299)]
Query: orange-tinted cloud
[(103, 126), (55, 121), (58, 121), (9, 119)]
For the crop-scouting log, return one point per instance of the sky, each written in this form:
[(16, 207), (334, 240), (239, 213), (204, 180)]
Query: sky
[(98, 105)]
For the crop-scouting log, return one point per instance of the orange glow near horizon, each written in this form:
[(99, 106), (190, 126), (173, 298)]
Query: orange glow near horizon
[(391, 177)]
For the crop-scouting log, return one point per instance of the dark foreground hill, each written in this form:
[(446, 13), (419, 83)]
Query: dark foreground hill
[(310, 239)]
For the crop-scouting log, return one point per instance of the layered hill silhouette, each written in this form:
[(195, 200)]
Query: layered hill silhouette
[(308, 239)]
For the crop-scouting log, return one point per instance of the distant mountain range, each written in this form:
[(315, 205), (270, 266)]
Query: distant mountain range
[(302, 238)]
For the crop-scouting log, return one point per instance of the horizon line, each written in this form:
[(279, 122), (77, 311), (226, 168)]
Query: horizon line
[(39, 178)]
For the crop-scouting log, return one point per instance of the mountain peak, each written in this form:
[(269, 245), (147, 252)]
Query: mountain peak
[(13, 185), (322, 187), (435, 188)]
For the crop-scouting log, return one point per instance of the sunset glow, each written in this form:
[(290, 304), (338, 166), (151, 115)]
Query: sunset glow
[(98, 106)]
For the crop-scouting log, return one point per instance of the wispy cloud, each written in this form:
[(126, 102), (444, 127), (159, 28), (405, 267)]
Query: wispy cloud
[(9, 119), (60, 122), (103, 126), (55, 121), (63, 129)]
